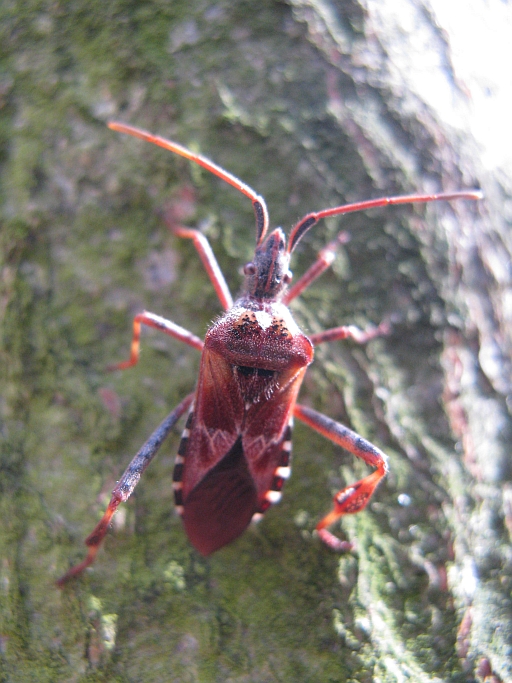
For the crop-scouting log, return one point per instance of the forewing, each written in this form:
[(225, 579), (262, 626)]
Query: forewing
[(218, 417), (265, 426)]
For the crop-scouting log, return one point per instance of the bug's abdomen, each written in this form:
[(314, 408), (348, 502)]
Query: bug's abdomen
[(281, 474)]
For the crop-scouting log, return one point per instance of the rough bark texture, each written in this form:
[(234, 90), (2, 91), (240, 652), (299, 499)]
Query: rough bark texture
[(303, 101)]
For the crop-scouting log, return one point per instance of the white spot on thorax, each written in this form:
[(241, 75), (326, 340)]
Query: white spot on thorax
[(264, 319)]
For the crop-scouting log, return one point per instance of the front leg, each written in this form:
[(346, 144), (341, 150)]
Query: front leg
[(209, 263), (355, 497), (350, 332)]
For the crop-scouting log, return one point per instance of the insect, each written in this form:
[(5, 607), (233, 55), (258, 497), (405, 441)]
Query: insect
[(235, 450)]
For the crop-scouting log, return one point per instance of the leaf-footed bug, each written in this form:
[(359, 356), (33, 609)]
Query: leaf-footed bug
[(234, 454)]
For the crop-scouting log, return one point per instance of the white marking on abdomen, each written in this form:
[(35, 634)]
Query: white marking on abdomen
[(273, 496)]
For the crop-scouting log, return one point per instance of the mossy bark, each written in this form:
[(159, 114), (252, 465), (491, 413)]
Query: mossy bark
[(301, 100)]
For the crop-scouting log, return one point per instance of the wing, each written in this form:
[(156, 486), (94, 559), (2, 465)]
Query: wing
[(233, 447), (217, 420), (231, 403)]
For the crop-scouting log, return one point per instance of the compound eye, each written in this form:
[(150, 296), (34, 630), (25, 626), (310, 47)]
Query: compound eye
[(249, 269), (287, 277)]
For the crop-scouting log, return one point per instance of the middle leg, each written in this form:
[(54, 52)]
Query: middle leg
[(159, 323)]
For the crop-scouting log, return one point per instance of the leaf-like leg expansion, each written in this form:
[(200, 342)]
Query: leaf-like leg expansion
[(355, 497), (126, 485)]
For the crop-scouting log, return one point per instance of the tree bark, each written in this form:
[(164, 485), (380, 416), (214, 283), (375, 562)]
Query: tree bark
[(313, 104)]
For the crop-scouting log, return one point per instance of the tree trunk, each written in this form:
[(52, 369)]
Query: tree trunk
[(313, 104)]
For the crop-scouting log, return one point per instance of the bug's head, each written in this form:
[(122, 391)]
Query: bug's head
[(267, 275)]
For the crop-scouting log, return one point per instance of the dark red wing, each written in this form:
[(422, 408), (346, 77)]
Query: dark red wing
[(221, 506), (217, 422), (264, 428), (233, 450)]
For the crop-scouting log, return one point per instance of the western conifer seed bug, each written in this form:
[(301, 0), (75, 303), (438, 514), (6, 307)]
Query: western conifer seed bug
[(235, 449)]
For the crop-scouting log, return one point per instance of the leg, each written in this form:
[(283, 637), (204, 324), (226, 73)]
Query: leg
[(125, 487), (350, 332), (152, 320), (352, 498), (209, 262), (324, 259)]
